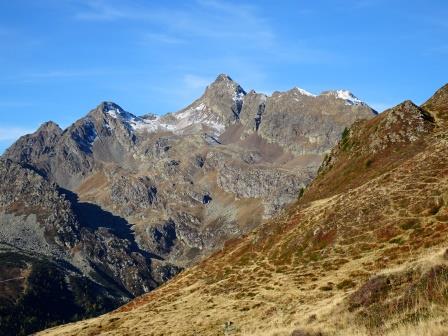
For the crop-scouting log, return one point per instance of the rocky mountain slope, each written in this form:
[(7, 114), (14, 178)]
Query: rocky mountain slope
[(362, 252), (62, 260), (190, 180), (125, 202)]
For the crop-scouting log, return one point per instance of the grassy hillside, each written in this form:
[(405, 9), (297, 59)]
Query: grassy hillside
[(362, 252)]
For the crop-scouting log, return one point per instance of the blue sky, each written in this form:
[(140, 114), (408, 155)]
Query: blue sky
[(61, 58)]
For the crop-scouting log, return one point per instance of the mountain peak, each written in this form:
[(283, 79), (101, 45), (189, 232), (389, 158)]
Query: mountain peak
[(109, 113), (109, 107), (115, 111), (410, 110), (225, 82), (348, 96), (302, 92), (49, 126), (223, 77), (438, 103), (104, 108), (218, 107)]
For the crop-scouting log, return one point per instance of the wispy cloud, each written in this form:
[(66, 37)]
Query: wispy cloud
[(13, 133), (162, 38), (62, 74), (229, 27), (110, 10), (192, 40), (362, 4), (98, 10), (189, 88), (54, 74), (9, 104), (195, 82), (202, 18)]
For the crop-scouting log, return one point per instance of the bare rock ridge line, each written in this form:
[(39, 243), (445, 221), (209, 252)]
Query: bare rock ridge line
[(119, 203), (363, 251)]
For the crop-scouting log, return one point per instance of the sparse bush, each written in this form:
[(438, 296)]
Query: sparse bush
[(345, 139), (346, 284), (301, 191), (410, 223)]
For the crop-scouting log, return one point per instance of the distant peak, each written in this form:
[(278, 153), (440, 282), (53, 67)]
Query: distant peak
[(223, 77), (104, 108), (224, 81), (116, 112), (108, 112), (50, 126), (346, 95), (107, 106), (112, 113), (111, 109), (303, 92)]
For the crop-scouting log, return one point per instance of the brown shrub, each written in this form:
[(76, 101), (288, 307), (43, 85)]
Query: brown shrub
[(301, 332), (372, 291)]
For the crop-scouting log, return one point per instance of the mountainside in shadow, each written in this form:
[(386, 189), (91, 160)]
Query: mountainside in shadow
[(62, 260), (362, 252), (122, 203)]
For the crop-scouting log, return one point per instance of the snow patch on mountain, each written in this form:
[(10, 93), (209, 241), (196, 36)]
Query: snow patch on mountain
[(303, 92), (238, 96), (191, 113), (150, 124), (126, 117), (198, 115), (350, 98)]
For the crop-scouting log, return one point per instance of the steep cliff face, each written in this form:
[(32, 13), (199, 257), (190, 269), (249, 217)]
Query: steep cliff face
[(362, 252), (49, 224), (301, 122)]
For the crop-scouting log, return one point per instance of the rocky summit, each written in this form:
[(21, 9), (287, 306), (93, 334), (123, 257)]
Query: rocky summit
[(116, 204), (363, 251)]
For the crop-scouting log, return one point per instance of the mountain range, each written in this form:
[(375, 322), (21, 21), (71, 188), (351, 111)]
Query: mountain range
[(361, 252), (115, 205)]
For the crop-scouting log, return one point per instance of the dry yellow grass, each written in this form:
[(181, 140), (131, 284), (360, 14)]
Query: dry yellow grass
[(367, 260)]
